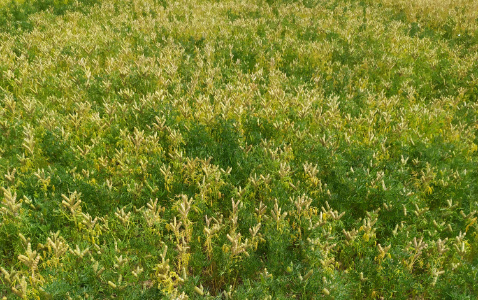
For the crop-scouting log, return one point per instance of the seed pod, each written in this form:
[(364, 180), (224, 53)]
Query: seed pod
[(308, 274), (199, 290)]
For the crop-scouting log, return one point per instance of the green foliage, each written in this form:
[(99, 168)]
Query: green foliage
[(14, 14), (230, 150)]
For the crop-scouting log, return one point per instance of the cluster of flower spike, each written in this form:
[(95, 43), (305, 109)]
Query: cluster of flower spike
[(238, 149)]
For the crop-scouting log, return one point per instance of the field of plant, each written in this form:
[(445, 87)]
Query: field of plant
[(259, 149)]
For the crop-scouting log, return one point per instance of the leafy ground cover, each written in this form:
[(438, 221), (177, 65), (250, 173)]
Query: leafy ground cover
[(239, 149)]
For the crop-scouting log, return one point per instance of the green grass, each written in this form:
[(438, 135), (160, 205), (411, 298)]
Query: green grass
[(238, 149)]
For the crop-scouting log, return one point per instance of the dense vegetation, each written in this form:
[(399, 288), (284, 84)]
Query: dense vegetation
[(239, 149)]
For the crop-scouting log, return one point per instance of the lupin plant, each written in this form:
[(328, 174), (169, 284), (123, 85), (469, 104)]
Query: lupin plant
[(269, 149)]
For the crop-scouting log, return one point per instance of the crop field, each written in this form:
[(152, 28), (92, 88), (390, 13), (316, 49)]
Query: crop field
[(238, 149)]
